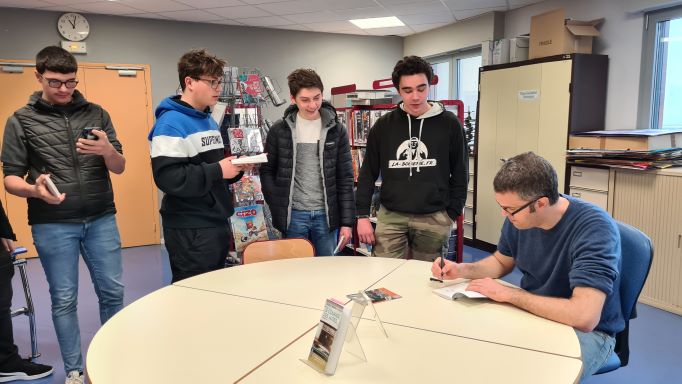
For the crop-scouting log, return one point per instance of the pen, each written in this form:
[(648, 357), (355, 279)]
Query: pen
[(442, 259)]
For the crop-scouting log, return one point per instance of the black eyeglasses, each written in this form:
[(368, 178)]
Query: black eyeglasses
[(54, 83), (215, 84), (521, 208)]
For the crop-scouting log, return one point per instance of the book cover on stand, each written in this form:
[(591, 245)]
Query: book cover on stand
[(247, 191), (248, 225), (245, 141), (330, 336)]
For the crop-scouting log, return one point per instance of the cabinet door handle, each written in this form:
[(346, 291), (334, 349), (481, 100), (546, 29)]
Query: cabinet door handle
[(503, 160), (577, 174), (679, 238)]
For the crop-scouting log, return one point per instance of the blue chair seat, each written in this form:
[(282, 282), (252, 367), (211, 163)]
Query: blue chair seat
[(637, 252)]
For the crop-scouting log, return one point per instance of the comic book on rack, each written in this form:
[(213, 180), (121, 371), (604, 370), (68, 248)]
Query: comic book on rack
[(245, 141), (247, 191), (251, 87), (248, 225)]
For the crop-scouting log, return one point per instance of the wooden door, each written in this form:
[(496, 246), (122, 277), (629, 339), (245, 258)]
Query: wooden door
[(18, 83), (126, 95)]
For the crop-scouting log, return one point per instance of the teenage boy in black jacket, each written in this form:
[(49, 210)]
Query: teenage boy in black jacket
[(308, 179), (47, 140), (420, 152)]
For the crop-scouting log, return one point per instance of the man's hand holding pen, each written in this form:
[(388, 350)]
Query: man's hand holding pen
[(445, 269)]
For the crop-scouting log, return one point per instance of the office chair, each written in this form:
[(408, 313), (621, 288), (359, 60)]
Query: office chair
[(637, 251), (277, 249), (28, 310)]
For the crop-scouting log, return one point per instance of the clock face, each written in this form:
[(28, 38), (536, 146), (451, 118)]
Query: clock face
[(73, 26)]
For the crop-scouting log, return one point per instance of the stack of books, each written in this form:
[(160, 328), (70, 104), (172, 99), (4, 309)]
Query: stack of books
[(633, 149)]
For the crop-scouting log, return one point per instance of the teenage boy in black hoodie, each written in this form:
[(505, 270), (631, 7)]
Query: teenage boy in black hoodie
[(420, 151)]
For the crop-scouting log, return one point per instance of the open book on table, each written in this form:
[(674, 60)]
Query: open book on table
[(255, 159), (456, 291)]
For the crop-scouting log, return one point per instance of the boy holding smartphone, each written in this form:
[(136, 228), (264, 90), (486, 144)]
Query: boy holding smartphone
[(41, 143)]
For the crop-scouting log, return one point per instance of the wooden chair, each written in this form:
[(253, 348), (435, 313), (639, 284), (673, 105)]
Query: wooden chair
[(277, 249)]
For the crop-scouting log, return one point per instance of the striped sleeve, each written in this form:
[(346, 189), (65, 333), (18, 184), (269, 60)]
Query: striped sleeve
[(174, 161)]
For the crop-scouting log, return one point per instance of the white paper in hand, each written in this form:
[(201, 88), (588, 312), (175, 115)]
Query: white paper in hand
[(338, 246), (51, 187), (256, 159)]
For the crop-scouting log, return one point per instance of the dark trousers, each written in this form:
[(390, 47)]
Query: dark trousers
[(193, 251), (8, 351)]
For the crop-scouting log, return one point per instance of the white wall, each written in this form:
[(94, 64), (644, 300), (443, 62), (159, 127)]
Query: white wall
[(464, 34), (339, 59), (621, 39), (649, 5)]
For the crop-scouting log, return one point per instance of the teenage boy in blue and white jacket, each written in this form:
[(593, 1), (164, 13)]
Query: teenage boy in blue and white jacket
[(190, 167)]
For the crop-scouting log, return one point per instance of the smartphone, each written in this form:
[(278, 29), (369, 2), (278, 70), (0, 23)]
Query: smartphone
[(51, 187), (87, 133)]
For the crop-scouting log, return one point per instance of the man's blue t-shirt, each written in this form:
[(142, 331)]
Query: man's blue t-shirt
[(582, 250)]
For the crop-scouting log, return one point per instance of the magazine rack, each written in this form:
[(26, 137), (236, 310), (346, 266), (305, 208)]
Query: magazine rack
[(352, 343)]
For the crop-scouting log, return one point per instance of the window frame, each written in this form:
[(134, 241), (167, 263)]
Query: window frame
[(648, 77), (453, 58)]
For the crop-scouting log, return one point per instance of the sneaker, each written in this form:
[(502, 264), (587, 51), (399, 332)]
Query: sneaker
[(74, 377), (23, 370)]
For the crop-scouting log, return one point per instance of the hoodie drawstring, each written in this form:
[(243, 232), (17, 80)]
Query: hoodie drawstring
[(409, 130)]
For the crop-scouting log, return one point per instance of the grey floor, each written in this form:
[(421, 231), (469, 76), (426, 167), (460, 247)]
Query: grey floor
[(656, 336)]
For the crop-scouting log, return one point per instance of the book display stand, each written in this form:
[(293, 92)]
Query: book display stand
[(350, 341)]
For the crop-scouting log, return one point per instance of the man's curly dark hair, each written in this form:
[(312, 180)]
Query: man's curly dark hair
[(411, 65)]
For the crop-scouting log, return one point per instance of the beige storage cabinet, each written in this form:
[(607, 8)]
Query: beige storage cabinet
[(590, 184), (651, 202), (532, 106)]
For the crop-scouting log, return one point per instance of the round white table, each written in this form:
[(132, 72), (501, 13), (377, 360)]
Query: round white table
[(253, 323)]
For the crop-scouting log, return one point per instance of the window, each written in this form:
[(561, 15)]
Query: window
[(661, 83), (441, 91), (467, 82), (457, 78)]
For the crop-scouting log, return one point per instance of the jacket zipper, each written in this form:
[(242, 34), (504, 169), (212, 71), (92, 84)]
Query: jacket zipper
[(323, 138), (76, 164)]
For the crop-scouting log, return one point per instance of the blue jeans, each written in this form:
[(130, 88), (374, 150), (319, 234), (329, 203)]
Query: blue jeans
[(58, 246), (312, 225), (595, 348)]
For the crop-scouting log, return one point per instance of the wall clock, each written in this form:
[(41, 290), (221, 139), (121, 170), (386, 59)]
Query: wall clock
[(73, 26)]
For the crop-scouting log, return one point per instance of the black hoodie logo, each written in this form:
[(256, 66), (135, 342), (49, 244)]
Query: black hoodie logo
[(412, 153)]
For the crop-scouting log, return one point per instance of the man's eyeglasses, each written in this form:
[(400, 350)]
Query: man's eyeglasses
[(215, 84), (54, 83), (513, 212)]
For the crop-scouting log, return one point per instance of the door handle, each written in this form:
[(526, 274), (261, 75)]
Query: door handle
[(503, 160)]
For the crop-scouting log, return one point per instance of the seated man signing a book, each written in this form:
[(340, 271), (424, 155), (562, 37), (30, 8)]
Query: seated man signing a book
[(567, 249)]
